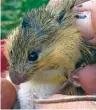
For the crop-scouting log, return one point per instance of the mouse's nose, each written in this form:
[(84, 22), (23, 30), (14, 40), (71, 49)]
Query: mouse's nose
[(18, 78)]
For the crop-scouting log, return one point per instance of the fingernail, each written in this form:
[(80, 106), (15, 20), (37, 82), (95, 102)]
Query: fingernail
[(76, 83), (80, 5), (80, 17), (76, 16), (75, 77)]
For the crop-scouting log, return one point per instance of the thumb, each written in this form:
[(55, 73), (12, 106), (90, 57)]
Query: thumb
[(87, 78), (88, 6)]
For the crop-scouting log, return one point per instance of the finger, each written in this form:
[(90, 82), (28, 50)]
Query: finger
[(84, 24), (92, 42), (87, 78), (88, 6), (93, 16)]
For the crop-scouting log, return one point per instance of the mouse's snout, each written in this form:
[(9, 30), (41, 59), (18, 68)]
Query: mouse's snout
[(17, 77)]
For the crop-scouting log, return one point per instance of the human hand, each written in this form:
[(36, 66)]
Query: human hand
[(87, 25), (8, 94), (4, 62)]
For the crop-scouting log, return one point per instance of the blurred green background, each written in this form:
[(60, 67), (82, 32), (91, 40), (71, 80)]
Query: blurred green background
[(12, 12)]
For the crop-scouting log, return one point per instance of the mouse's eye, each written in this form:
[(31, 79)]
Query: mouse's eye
[(60, 16), (33, 56)]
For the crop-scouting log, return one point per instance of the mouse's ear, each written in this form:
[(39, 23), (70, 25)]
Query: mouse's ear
[(39, 22), (26, 23)]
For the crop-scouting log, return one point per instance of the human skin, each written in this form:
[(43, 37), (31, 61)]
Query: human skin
[(4, 62), (87, 78), (89, 6), (8, 94)]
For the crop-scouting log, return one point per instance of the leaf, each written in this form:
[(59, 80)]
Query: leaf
[(13, 10)]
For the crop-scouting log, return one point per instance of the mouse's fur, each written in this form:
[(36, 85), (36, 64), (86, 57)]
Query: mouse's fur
[(58, 49)]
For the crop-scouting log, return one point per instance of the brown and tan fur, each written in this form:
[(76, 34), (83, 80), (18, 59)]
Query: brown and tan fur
[(59, 52)]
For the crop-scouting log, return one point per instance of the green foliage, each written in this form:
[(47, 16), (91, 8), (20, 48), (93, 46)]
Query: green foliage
[(12, 12)]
